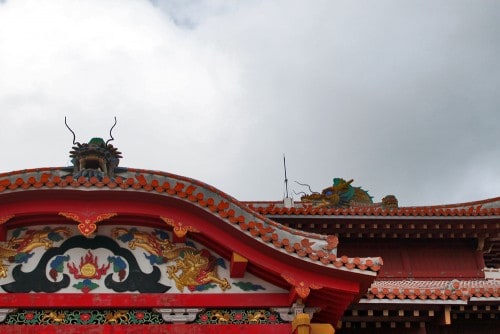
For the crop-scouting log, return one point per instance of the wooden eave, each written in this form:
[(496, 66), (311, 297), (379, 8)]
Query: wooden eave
[(396, 227)]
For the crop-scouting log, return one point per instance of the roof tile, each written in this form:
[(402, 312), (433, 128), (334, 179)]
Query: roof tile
[(454, 290)]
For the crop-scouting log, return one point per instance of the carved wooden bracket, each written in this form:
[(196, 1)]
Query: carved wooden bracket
[(87, 221), (301, 287)]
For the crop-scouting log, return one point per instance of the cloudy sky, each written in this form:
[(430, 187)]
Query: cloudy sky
[(401, 96)]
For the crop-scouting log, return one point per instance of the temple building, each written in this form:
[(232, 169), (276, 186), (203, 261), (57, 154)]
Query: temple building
[(99, 248)]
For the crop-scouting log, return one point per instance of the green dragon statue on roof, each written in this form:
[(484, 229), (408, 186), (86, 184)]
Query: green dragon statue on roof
[(342, 194)]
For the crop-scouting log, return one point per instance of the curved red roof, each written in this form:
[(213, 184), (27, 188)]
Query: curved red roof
[(301, 261)]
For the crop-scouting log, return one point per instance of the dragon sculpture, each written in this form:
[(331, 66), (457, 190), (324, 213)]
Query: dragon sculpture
[(95, 158), (197, 267), (342, 194), (160, 249), (20, 246)]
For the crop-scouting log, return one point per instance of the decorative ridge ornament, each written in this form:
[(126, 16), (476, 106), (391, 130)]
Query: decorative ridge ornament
[(343, 195), (95, 158)]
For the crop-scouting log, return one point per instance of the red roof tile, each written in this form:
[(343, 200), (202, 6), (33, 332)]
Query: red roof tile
[(432, 290)]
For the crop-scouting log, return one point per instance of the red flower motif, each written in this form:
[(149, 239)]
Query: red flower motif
[(204, 317), (84, 317), (29, 316), (238, 316), (139, 315), (272, 318)]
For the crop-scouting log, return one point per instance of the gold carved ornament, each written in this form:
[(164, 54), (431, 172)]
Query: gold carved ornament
[(87, 222), (26, 243), (192, 267), (195, 269), (179, 228)]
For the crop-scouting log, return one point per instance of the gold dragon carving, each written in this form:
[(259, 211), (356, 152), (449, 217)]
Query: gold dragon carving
[(27, 243), (192, 267), (196, 269), (149, 242)]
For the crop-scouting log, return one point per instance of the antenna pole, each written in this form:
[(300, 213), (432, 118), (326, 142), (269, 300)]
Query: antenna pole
[(286, 180)]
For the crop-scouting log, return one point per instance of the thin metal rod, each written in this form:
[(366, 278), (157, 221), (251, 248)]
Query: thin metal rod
[(286, 179), (74, 136), (110, 133)]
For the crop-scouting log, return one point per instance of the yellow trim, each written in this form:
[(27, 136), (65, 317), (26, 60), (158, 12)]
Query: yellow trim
[(238, 258), (301, 324), (322, 329)]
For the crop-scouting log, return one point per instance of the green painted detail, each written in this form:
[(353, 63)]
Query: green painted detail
[(97, 141), (139, 316), (205, 287), (226, 316), (86, 285), (248, 286), (83, 317)]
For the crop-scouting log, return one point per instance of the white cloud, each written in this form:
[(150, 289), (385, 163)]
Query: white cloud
[(92, 60), (401, 96)]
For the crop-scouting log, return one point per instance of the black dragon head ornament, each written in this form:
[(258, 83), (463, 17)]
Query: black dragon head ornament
[(95, 158)]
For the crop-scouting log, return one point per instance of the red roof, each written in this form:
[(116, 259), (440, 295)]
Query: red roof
[(314, 247), (489, 207), (306, 263), (434, 290)]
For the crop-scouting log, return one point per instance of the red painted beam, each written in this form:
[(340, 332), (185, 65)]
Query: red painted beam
[(146, 329), (143, 300)]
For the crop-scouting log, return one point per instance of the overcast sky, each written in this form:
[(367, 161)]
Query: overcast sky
[(401, 96)]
